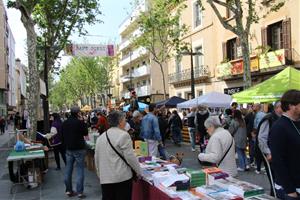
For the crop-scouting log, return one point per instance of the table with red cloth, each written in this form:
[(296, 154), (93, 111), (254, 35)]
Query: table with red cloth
[(143, 190)]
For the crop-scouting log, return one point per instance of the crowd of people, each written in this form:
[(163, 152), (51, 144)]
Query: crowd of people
[(269, 136)]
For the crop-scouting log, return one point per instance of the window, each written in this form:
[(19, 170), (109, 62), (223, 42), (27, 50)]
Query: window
[(179, 94), (197, 14), (178, 63), (198, 58), (200, 93), (275, 37), (188, 95), (144, 82), (231, 49)]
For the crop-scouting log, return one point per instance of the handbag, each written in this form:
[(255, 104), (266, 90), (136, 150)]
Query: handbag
[(134, 174), (206, 164)]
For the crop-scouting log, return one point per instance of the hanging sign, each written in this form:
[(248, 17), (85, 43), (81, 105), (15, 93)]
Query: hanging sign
[(89, 50)]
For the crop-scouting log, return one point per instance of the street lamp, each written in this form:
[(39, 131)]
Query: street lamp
[(191, 53)]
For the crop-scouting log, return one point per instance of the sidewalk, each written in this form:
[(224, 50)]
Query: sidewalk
[(53, 185)]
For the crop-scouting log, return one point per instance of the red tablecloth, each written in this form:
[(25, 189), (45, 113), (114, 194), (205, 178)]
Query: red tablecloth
[(142, 190)]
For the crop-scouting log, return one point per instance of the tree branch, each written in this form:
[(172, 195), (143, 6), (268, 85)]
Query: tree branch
[(225, 24), (250, 16), (226, 5)]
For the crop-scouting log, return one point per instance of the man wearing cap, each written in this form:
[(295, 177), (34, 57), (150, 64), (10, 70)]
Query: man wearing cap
[(73, 132)]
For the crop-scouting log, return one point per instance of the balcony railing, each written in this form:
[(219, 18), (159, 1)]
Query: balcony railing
[(140, 91), (141, 71), (127, 41), (133, 16), (199, 72), (134, 55)]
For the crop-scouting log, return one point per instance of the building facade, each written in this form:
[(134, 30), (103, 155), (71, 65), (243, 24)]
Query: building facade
[(137, 71), (20, 87), (4, 70), (12, 80), (274, 44)]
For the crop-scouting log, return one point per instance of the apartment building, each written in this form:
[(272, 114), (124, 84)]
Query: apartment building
[(220, 67), (12, 76), (137, 71), (4, 32), (20, 86)]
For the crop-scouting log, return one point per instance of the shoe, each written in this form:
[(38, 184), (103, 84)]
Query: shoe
[(240, 169), (257, 172), (247, 168), (57, 168), (252, 165), (81, 196), (193, 150), (71, 194)]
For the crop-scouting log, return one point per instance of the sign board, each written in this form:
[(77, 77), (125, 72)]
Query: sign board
[(272, 59), (89, 50), (237, 67), (223, 69), (141, 148), (233, 90)]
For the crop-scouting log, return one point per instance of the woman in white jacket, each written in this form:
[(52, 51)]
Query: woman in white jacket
[(219, 143)]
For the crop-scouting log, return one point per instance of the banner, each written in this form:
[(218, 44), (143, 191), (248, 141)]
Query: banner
[(272, 59), (89, 50)]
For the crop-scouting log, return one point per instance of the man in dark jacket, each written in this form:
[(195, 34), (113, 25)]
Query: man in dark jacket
[(73, 132), (200, 118), (191, 127), (285, 145)]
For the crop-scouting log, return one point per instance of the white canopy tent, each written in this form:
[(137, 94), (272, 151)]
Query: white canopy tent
[(212, 100)]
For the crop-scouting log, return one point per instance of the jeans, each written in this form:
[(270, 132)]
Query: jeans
[(152, 147), (242, 159), (192, 133), (251, 150), (176, 135), (162, 152), (72, 157), (59, 149)]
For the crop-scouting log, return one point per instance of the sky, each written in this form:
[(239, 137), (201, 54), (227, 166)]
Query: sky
[(113, 14)]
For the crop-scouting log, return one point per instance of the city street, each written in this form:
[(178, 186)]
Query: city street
[(53, 186)]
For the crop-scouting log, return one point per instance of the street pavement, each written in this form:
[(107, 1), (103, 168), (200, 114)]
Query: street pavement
[(53, 185)]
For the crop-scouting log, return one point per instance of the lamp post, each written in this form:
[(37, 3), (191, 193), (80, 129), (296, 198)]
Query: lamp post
[(191, 54)]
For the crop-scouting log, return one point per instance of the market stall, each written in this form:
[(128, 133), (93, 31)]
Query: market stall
[(211, 99), (272, 89), (171, 102)]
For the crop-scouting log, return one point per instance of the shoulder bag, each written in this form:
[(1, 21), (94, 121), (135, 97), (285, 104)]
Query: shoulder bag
[(206, 164), (134, 175)]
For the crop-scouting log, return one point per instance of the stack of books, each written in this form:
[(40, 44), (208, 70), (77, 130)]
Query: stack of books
[(197, 177), (240, 188), (212, 177)]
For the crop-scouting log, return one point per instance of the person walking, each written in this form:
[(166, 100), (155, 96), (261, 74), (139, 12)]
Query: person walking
[(191, 128), (238, 130), (56, 140), (200, 118), (150, 131), (220, 149), (73, 132), (175, 125), (262, 145), (115, 160), (285, 145), (2, 125), (259, 115)]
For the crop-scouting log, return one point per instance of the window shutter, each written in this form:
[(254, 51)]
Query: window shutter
[(287, 39), (264, 39), (224, 47)]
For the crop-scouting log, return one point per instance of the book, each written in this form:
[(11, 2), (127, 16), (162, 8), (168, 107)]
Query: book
[(211, 170), (245, 189), (261, 197), (208, 189), (225, 195)]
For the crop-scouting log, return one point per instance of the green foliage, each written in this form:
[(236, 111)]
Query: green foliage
[(82, 77), (161, 29)]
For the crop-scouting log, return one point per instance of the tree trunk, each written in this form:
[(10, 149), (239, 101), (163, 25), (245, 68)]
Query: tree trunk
[(246, 61), (34, 82), (163, 79), (45, 98)]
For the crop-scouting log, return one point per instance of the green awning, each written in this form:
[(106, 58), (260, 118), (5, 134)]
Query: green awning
[(272, 89)]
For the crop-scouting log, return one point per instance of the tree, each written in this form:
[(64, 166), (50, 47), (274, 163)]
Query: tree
[(56, 20), (82, 77), (161, 32), (26, 8), (245, 13)]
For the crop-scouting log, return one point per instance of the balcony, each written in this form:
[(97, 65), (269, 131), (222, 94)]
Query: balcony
[(126, 94), (132, 18), (141, 71), (132, 56), (143, 90), (184, 75), (127, 41)]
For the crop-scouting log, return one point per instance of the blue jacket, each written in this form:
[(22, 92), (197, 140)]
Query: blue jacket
[(150, 128)]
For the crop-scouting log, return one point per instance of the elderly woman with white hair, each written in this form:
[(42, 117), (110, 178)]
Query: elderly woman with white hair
[(115, 159), (220, 149)]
